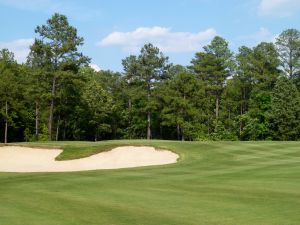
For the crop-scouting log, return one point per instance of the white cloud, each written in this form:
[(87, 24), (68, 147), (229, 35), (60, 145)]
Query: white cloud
[(281, 8), (19, 47), (161, 37), (95, 67)]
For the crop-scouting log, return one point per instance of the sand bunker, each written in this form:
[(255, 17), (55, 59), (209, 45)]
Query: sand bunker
[(23, 159)]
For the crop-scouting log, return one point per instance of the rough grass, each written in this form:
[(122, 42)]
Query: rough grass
[(214, 183)]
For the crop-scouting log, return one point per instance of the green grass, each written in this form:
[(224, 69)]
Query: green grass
[(214, 183)]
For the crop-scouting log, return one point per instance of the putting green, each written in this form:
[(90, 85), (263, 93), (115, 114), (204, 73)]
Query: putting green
[(214, 183)]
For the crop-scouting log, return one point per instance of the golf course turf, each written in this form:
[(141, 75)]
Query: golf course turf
[(213, 183)]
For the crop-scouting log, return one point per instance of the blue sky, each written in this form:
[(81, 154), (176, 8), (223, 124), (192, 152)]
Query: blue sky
[(114, 29)]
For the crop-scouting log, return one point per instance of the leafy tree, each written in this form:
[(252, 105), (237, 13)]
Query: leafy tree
[(288, 46), (265, 64), (243, 82), (9, 90), (58, 45), (56, 95), (285, 111), (264, 74), (182, 97), (99, 102), (219, 47), (135, 103), (39, 64), (234, 101), (146, 70), (214, 66), (114, 85)]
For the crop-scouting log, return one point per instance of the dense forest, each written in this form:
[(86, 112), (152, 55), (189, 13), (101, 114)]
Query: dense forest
[(252, 94)]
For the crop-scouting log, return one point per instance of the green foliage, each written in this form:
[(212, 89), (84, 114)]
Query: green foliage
[(285, 111), (213, 67), (99, 102), (221, 133), (143, 73), (265, 63), (219, 96), (44, 135), (255, 128), (57, 58), (27, 134), (179, 97), (257, 74), (288, 45), (11, 88)]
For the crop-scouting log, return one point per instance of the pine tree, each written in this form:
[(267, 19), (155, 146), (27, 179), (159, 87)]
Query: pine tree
[(182, 100), (9, 90), (145, 71), (214, 66), (288, 46), (59, 46), (285, 111)]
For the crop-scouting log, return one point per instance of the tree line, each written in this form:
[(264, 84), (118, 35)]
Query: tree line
[(249, 95)]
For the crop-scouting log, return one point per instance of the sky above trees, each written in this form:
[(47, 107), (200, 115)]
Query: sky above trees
[(115, 29)]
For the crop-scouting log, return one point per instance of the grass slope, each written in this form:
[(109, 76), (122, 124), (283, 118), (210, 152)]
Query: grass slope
[(214, 183)]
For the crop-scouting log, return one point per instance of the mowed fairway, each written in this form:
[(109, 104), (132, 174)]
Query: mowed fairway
[(214, 183)]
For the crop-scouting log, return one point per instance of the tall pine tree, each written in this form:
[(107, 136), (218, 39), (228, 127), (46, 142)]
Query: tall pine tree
[(285, 111), (60, 40)]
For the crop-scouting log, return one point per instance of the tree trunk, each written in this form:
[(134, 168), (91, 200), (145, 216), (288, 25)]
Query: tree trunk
[(129, 116), (56, 135), (96, 136), (149, 126), (64, 131), (208, 127), (57, 130), (217, 107), (180, 128), (37, 115), (290, 64), (149, 116), (182, 135), (50, 122), (178, 132), (241, 122), (6, 122), (161, 131), (242, 110), (114, 128)]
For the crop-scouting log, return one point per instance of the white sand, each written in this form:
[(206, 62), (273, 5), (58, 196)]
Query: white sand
[(23, 159)]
